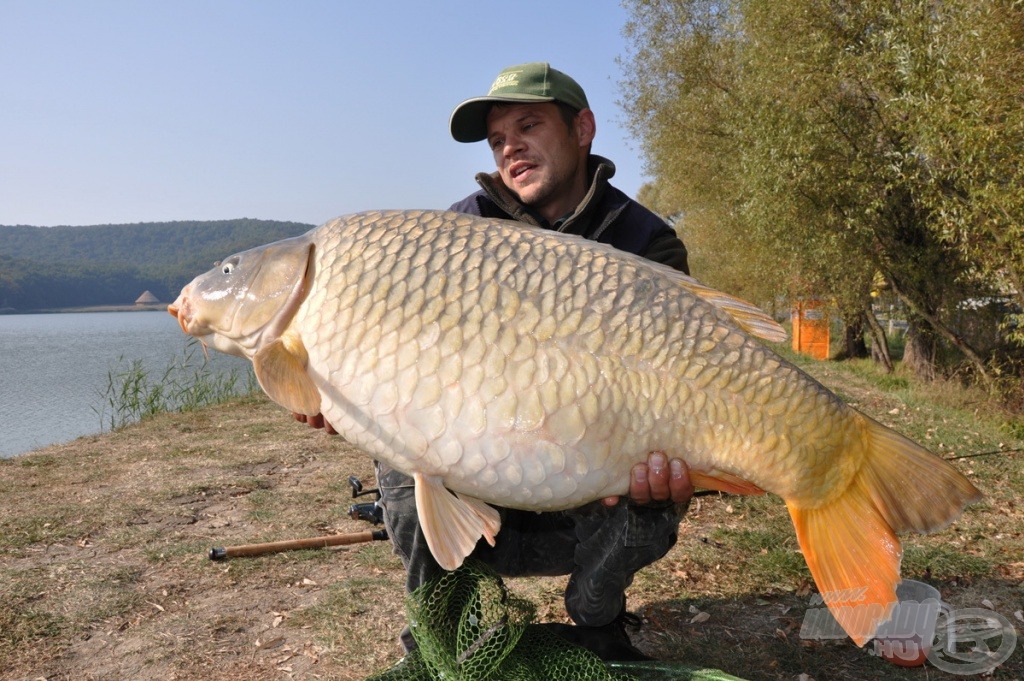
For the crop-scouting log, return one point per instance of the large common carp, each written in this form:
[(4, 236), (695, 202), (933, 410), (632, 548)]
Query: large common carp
[(499, 363)]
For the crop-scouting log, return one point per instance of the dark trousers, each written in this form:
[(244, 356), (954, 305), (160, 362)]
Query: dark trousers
[(600, 548)]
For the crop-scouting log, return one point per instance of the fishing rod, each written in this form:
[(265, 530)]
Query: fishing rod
[(971, 456), (223, 553), (371, 512)]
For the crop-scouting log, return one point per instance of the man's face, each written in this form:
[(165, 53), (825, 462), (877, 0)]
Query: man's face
[(539, 157)]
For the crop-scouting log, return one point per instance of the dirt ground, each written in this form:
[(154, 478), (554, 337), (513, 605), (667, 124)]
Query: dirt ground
[(104, 571)]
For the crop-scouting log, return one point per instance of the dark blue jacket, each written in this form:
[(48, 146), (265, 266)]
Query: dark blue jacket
[(606, 215)]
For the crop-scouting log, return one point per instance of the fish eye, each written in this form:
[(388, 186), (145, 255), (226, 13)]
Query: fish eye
[(228, 266)]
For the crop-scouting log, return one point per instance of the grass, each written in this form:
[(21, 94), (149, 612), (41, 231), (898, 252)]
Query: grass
[(186, 384)]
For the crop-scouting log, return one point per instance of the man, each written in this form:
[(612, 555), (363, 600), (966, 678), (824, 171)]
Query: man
[(539, 126)]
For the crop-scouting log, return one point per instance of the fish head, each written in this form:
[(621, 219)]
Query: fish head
[(247, 300)]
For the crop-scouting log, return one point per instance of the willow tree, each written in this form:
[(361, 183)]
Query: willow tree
[(791, 135)]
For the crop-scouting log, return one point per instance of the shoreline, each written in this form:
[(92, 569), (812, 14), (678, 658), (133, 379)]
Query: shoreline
[(148, 307)]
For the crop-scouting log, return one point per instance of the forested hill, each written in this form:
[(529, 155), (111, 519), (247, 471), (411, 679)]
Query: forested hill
[(56, 267)]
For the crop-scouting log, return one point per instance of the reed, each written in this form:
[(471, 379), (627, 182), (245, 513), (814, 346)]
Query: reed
[(187, 383)]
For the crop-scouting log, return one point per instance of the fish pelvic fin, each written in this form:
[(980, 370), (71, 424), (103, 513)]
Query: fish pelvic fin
[(280, 368), (850, 543), (452, 524)]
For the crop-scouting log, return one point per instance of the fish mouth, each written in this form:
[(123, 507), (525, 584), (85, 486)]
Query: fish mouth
[(181, 310)]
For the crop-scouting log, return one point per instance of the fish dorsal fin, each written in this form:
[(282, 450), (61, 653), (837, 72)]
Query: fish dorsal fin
[(452, 524), (281, 370), (751, 318)]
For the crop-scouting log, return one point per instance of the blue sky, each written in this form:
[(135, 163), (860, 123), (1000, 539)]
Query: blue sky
[(133, 111)]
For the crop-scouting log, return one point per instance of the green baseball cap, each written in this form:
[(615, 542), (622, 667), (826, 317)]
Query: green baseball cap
[(532, 82)]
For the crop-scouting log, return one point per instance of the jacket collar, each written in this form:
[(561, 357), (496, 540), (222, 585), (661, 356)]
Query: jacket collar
[(600, 170)]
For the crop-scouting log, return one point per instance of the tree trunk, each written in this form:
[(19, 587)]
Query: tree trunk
[(879, 341), (854, 346), (931, 325), (919, 351)]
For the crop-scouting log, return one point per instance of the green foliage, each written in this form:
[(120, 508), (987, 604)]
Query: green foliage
[(54, 267), (811, 146)]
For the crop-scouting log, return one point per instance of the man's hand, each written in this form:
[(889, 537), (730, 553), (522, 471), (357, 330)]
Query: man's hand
[(657, 480), (315, 422)]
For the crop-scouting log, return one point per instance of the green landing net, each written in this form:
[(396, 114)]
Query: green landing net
[(468, 627)]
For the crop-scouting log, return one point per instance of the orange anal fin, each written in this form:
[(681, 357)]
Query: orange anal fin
[(854, 557), (724, 482)]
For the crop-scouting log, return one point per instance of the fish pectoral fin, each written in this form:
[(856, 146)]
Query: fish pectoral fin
[(724, 482), (281, 371), (452, 524)]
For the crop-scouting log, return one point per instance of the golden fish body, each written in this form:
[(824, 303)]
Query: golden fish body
[(528, 369)]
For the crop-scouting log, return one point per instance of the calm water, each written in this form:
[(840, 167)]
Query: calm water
[(54, 369)]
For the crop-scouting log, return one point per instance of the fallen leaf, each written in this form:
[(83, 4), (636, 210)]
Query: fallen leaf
[(700, 617), (987, 603), (272, 643)]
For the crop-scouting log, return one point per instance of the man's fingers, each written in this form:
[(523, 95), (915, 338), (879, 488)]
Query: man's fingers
[(658, 476), (317, 421), (659, 479), (639, 487), (680, 485)]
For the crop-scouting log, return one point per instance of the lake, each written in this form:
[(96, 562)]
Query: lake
[(55, 368)]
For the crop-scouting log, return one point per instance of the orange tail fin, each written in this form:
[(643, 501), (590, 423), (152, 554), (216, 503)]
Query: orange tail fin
[(850, 544)]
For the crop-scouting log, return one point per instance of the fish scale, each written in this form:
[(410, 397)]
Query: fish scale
[(497, 363), (523, 404)]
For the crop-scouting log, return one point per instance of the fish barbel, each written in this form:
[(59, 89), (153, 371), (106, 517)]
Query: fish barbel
[(497, 363)]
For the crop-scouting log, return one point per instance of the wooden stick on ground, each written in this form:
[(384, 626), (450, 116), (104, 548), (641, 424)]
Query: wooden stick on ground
[(221, 553)]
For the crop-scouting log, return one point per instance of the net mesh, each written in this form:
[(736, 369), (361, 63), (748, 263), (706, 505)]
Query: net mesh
[(468, 627)]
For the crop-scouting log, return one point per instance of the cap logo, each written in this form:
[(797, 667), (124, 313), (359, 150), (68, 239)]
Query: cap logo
[(505, 80)]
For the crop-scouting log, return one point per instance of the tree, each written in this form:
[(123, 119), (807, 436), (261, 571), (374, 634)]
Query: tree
[(807, 133)]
